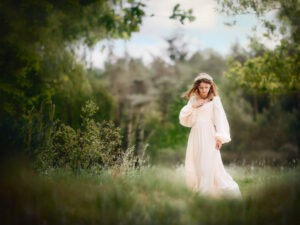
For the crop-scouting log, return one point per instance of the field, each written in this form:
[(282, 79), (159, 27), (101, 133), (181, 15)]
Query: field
[(152, 195)]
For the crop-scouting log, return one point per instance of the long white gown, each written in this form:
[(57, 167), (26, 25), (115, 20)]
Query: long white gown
[(204, 169)]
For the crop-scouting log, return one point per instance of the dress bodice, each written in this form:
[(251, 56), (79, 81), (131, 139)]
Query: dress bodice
[(205, 113), (211, 112)]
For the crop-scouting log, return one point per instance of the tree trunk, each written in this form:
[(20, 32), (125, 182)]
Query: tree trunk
[(255, 106), (127, 130)]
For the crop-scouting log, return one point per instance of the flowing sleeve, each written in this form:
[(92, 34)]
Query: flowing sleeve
[(220, 121), (188, 114)]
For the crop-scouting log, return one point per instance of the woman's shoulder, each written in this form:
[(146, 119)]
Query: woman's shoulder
[(216, 97)]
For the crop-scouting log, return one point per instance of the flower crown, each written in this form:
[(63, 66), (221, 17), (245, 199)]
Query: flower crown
[(203, 75)]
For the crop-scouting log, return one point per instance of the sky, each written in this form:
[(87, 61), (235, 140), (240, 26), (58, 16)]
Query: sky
[(207, 31)]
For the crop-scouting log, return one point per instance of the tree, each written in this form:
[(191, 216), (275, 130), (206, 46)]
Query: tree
[(276, 72), (37, 60), (272, 71)]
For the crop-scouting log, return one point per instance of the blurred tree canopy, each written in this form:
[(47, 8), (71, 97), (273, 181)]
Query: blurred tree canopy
[(38, 63), (37, 47), (271, 71), (37, 59)]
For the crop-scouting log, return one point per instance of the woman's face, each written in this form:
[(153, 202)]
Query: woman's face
[(204, 89)]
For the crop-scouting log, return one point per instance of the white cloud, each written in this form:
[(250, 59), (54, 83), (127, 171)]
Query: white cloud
[(207, 31), (150, 39), (203, 10)]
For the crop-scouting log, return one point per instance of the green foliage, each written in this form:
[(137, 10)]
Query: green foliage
[(271, 73), (273, 128), (38, 62), (276, 71), (31, 64), (42, 63), (171, 134), (182, 15), (93, 145)]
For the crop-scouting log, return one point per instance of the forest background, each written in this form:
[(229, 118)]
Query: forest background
[(40, 74), (61, 115)]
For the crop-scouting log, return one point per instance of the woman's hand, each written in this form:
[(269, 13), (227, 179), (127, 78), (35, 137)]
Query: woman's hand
[(219, 144)]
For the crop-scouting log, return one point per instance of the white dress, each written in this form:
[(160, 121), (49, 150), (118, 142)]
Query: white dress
[(204, 169)]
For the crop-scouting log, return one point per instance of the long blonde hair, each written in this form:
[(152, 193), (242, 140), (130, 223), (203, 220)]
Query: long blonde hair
[(195, 89)]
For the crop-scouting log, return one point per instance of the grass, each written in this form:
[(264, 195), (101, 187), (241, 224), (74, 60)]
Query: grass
[(155, 195)]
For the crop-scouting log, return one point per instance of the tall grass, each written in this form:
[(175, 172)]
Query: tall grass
[(148, 195)]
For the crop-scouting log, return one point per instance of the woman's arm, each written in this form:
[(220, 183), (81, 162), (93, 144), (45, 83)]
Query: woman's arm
[(221, 122), (188, 114)]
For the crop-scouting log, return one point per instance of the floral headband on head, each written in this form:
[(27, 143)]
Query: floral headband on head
[(203, 75)]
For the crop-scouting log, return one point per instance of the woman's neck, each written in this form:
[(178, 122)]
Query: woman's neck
[(201, 97), (206, 98)]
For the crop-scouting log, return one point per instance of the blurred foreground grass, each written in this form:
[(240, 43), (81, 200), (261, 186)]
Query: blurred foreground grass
[(154, 195)]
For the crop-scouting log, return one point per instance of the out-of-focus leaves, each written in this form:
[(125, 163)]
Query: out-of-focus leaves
[(181, 14)]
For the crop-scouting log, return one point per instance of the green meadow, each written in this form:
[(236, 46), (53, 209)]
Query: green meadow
[(148, 195)]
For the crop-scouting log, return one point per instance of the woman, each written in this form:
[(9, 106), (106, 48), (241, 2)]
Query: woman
[(205, 115)]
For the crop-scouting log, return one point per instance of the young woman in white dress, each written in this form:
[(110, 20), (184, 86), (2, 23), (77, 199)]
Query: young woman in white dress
[(204, 113)]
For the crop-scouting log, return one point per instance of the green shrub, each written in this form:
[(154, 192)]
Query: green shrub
[(93, 145)]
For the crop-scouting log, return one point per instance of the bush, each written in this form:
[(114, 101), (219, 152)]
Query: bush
[(93, 145)]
